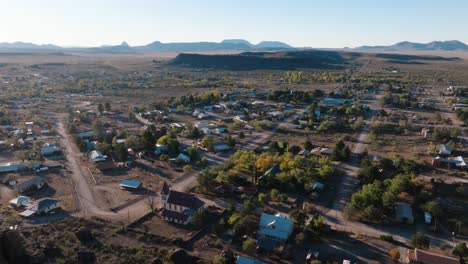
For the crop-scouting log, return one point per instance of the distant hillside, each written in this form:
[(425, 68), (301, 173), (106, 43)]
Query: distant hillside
[(265, 60), (157, 46), (28, 47), (412, 46)]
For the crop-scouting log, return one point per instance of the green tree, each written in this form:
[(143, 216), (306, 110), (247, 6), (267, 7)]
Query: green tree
[(298, 216), (208, 142), (205, 181), (248, 245), (198, 219), (107, 106), (121, 152), (434, 208), (98, 130), (262, 198), (420, 240), (22, 155), (100, 108), (460, 250), (274, 193)]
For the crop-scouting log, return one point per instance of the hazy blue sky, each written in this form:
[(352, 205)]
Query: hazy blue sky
[(313, 23)]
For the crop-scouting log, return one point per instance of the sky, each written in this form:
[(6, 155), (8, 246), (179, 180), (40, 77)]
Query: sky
[(301, 23)]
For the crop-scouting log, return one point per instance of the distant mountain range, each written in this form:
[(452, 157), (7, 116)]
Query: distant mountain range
[(230, 44), (225, 45), (412, 46)]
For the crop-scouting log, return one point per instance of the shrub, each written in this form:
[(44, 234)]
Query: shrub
[(387, 238), (248, 245), (394, 254), (420, 240)]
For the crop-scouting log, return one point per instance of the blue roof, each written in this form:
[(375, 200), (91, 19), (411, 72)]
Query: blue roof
[(130, 184), (246, 260), (45, 203), (318, 186), (275, 226)]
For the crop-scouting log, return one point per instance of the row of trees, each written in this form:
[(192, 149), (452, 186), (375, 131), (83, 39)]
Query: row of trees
[(385, 183), (288, 172)]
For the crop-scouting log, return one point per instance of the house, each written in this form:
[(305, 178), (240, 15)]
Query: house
[(240, 118), (321, 151), (96, 156), (427, 218), (404, 213), (271, 172), (273, 230), (247, 260), (20, 201), (35, 183), (426, 133), (86, 135), (12, 167), (179, 207), (206, 130), (50, 150), (160, 149), (184, 158), (444, 150), (201, 125), (220, 130), (304, 152), (44, 206), (276, 114), (221, 147), (203, 116), (458, 162), (106, 165), (318, 186), (130, 185), (419, 256), (330, 102)]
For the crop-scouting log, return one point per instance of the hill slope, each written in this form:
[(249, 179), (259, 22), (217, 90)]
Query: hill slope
[(265, 60), (412, 46)]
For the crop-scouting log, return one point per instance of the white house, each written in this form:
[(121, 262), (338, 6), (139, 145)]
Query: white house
[(179, 207), (97, 156), (444, 150)]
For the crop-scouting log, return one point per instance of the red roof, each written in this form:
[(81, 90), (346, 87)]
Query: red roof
[(427, 257)]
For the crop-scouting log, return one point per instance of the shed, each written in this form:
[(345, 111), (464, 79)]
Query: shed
[(184, 157), (129, 184), (444, 150), (20, 201), (404, 213), (247, 260), (318, 186), (96, 156)]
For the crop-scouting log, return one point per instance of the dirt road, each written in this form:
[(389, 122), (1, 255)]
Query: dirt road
[(86, 202)]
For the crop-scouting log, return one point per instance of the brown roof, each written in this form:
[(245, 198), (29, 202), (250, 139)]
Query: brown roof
[(106, 165), (427, 257), (174, 215), (184, 199)]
